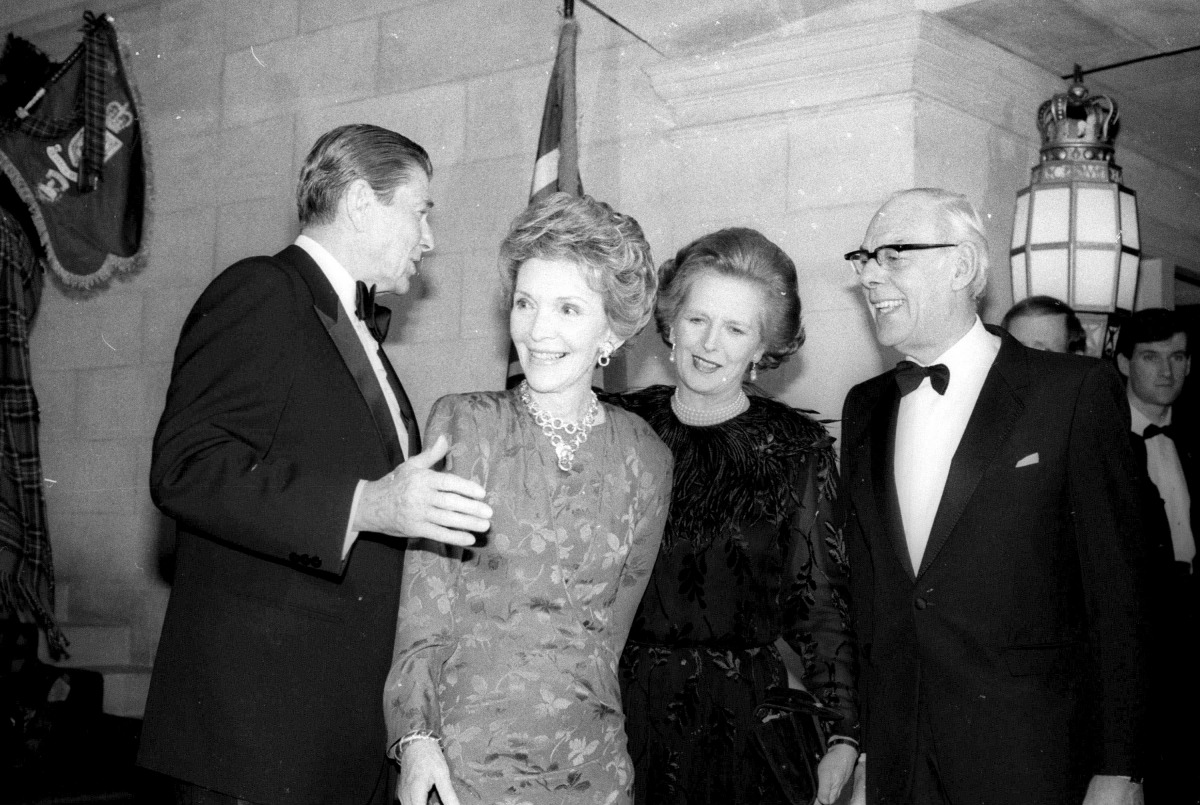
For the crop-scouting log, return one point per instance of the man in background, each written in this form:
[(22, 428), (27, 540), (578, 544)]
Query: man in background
[(289, 457), (1154, 355), (1043, 322)]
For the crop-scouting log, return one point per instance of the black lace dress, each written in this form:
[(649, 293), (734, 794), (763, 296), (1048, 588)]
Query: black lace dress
[(750, 554)]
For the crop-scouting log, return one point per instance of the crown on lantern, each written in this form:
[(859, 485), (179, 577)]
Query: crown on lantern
[(1078, 133)]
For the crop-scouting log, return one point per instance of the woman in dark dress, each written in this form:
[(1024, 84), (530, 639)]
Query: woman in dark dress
[(751, 552)]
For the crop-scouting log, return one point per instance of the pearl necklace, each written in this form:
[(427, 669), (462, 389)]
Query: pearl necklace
[(699, 418), (550, 425)]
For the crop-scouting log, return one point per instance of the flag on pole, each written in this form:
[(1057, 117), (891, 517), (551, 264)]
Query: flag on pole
[(557, 165)]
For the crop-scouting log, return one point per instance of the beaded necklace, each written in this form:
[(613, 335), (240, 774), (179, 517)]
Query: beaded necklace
[(699, 418), (555, 428)]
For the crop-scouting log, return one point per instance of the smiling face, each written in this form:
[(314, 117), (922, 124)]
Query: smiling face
[(559, 327), (396, 235), (717, 334), (1156, 371), (923, 304)]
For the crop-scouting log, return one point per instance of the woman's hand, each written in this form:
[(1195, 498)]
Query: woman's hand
[(833, 772), (422, 769)]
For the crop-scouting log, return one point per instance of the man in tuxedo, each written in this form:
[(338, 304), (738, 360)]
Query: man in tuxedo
[(289, 458), (994, 541), (1154, 355)]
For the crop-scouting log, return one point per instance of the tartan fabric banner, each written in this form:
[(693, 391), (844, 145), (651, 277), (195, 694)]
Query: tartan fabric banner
[(26, 567), (77, 162), (557, 165)]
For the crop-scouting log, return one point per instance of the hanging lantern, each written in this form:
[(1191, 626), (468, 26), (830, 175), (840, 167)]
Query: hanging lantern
[(1075, 233)]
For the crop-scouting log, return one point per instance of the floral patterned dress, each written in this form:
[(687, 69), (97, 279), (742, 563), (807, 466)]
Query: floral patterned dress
[(750, 554), (509, 650)]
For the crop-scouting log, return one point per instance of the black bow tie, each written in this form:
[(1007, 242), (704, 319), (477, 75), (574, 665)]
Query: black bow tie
[(909, 375), (1153, 430), (376, 317)]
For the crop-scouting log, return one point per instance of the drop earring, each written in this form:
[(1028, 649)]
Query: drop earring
[(605, 356), (754, 372)]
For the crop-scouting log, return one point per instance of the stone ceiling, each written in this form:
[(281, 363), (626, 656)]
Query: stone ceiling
[(1159, 100)]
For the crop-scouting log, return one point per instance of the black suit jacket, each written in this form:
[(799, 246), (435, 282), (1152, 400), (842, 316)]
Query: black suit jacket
[(273, 655), (1021, 634)]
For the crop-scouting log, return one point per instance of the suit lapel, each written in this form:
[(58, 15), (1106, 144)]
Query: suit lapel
[(992, 420), (341, 331), (875, 456), (883, 475)]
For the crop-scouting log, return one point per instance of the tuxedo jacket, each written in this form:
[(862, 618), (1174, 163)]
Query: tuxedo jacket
[(268, 679), (1020, 637), (1176, 593), (1158, 528)]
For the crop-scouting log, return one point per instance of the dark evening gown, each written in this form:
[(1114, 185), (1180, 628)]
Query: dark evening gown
[(750, 554)]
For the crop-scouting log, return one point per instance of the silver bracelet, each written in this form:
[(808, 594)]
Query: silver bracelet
[(417, 735)]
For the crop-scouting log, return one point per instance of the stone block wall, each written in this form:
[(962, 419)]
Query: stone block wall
[(801, 136)]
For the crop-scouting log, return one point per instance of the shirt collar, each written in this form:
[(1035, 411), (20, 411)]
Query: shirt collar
[(1138, 422), (977, 348), (343, 284)]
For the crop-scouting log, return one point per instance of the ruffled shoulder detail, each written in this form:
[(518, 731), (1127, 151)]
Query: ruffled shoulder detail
[(749, 468)]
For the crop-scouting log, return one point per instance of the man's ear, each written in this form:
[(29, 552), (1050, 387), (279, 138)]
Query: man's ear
[(966, 265), (357, 203), (1123, 365)]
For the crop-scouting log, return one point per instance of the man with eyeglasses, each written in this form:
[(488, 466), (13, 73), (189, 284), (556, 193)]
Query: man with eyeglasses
[(994, 537)]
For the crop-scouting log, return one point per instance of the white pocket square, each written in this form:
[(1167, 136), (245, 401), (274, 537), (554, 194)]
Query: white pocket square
[(1032, 458)]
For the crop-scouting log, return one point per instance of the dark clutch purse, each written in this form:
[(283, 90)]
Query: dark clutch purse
[(792, 741)]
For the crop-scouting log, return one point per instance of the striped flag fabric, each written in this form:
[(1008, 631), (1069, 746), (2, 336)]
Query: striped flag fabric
[(557, 165)]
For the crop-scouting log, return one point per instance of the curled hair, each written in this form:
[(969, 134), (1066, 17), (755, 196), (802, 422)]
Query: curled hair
[(343, 155), (1150, 325), (1049, 306), (745, 254), (960, 222), (608, 247)]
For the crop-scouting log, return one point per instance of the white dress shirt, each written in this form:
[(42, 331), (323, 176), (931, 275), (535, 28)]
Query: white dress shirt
[(929, 427), (344, 286), (1166, 471)]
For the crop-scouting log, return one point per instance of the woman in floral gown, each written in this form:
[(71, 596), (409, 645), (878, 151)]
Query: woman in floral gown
[(750, 553), (503, 687)]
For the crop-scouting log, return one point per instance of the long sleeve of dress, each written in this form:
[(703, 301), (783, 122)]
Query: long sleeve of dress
[(426, 627), (648, 508), (816, 611)]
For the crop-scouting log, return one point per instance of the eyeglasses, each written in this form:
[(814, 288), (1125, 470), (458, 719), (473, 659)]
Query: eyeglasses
[(888, 254)]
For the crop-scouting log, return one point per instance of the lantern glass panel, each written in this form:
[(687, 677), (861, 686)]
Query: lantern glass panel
[(1127, 290), (1096, 214), (1021, 220), (1050, 216), (1020, 284), (1048, 273), (1095, 279), (1129, 220)]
